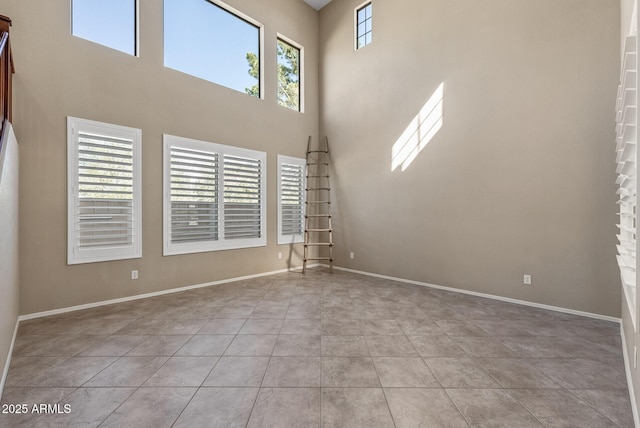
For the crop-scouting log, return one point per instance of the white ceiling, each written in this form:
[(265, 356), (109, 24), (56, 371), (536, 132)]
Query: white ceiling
[(317, 4)]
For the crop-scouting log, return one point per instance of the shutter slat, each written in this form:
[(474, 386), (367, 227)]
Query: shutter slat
[(87, 136), (90, 155)]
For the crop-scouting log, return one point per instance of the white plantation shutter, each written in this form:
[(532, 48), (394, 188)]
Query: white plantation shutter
[(103, 195), (242, 197), (291, 197), (626, 159), (214, 197), (194, 195)]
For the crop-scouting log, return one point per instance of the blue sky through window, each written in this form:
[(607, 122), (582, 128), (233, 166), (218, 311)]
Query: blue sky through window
[(110, 23), (204, 40)]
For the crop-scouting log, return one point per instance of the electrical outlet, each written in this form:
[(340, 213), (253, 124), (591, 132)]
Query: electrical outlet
[(527, 279), (279, 256), (351, 255), (134, 274)]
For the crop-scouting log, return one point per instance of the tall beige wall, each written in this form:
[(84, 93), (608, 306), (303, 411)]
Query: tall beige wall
[(519, 180), (9, 275), (59, 75)]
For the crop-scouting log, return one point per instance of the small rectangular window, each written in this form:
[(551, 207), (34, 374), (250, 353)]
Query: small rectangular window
[(211, 40), (111, 23), (291, 198), (215, 196), (289, 59), (104, 192), (363, 25)]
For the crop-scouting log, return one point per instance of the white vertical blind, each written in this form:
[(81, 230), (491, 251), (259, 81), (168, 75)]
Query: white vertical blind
[(626, 159), (104, 204)]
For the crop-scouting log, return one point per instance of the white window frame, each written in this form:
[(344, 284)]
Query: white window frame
[(355, 24), (290, 239), (221, 243), (75, 254), (136, 31), (300, 67)]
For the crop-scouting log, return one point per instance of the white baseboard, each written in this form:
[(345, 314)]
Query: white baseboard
[(9, 354), (154, 294), (375, 275), (487, 296), (627, 369)]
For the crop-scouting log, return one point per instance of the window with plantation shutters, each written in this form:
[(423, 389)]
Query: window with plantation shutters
[(104, 209), (627, 170), (214, 196), (291, 197)]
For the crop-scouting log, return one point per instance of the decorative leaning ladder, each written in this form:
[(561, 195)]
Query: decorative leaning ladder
[(318, 231)]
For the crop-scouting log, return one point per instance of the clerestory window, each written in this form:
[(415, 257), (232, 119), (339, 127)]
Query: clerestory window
[(289, 61), (213, 41), (111, 23), (364, 25)]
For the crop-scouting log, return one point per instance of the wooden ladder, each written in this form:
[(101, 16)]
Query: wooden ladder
[(318, 231)]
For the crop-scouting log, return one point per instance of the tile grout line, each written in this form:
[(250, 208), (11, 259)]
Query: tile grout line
[(198, 388), (523, 406), (264, 375), (384, 394), (588, 405), (456, 406)]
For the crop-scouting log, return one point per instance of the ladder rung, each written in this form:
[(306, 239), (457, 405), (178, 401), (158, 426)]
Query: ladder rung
[(318, 151), (318, 230), (317, 202), (317, 176), (318, 215), (319, 258), (317, 163), (318, 188), (319, 244)]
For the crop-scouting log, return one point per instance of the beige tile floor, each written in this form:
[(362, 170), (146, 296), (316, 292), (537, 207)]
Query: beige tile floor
[(319, 350)]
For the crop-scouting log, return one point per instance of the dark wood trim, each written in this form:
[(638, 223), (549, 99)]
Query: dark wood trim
[(6, 73)]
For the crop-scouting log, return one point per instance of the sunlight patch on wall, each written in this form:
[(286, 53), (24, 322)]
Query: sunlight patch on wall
[(419, 132)]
